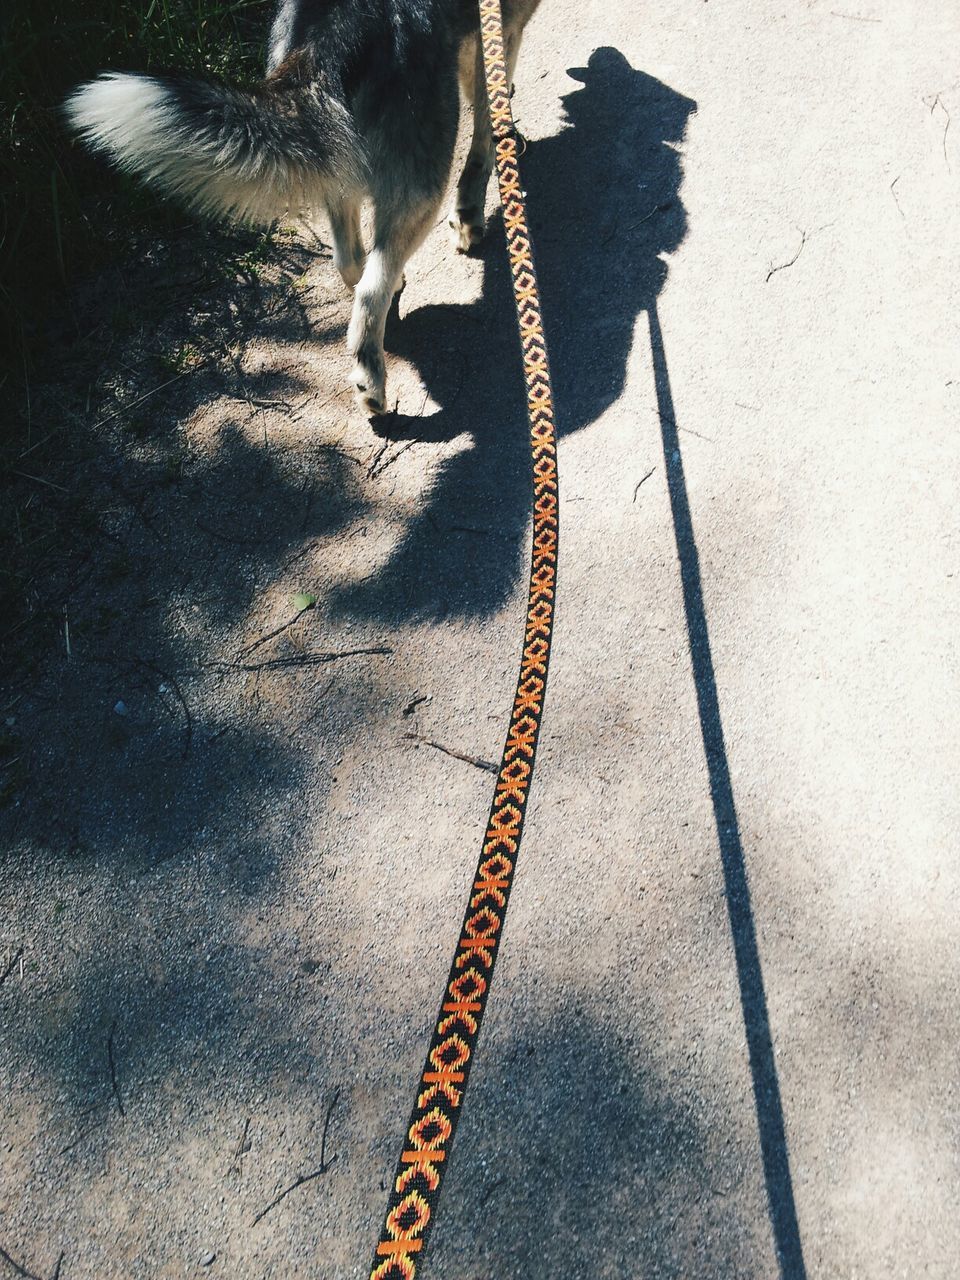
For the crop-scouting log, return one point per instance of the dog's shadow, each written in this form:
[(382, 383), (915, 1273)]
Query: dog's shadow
[(603, 197)]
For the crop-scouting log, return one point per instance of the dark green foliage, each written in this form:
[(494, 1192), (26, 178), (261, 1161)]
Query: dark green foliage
[(60, 211)]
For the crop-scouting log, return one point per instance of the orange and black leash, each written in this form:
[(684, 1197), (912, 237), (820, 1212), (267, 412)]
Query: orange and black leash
[(443, 1082)]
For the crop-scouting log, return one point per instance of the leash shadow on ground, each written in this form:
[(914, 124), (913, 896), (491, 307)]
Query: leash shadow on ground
[(753, 1001)]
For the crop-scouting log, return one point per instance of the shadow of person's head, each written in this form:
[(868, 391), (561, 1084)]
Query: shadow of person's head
[(604, 207)]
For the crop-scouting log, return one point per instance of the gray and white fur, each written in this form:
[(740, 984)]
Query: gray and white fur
[(360, 102)]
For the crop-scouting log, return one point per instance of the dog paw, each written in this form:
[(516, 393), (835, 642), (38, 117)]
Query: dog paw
[(369, 404), (369, 386), (467, 228)]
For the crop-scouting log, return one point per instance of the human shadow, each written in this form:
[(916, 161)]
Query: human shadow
[(604, 205)]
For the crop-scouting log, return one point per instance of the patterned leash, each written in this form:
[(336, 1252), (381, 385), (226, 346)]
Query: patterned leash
[(443, 1082)]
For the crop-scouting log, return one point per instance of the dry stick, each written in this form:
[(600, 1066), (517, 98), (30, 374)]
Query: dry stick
[(224, 537), (39, 480), (234, 359), (380, 452), (640, 482), (326, 1126), (83, 1134), (40, 442), (488, 765), (146, 396), (302, 660), (276, 631), (188, 737), (375, 474), (21, 1271), (893, 192), (783, 265), (10, 967), (113, 1069), (236, 1164), (938, 102), (308, 1177)]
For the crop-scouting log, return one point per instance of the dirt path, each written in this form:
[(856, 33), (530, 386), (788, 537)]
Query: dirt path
[(726, 1015)]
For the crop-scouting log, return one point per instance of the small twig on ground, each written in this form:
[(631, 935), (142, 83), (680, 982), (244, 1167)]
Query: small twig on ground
[(258, 403), (783, 265), (640, 482), (326, 1126), (246, 397), (241, 1149), (11, 966), (323, 245), (414, 702), (893, 192), (276, 631), (379, 454), (342, 453), (497, 1182), (25, 475), (657, 208), (298, 660), (686, 430), (43, 440), (140, 399), (20, 1270), (113, 1069), (307, 1177), (854, 17), (188, 726), (56, 1270), (477, 763), (376, 472), (225, 537), (934, 102), (75, 1142)]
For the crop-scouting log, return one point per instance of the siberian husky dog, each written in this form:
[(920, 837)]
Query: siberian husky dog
[(360, 102)]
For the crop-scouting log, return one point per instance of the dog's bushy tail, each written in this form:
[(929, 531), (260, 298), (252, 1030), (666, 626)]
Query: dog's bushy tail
[(250, 156)]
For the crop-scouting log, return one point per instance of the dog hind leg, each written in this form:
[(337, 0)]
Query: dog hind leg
[(398, 233), (348, 252), (467, 220)]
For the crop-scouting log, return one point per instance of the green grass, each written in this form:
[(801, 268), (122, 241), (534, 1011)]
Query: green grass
[(60, 212)]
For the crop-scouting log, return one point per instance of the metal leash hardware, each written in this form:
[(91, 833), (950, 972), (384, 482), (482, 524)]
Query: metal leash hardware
[(429, 1136)]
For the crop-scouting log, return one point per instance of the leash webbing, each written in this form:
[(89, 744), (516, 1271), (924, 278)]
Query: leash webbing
[(443, 1082)]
